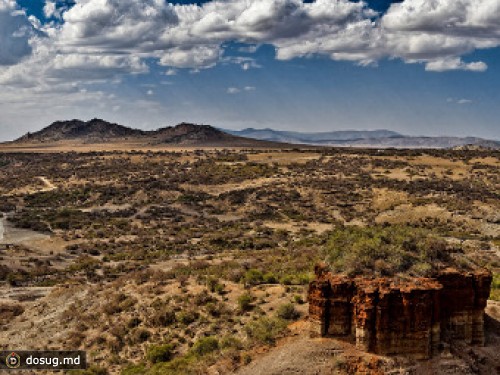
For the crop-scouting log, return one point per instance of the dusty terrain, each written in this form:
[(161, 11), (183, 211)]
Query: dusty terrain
[(185, 260)]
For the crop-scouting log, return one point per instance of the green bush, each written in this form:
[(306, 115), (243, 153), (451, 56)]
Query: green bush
[(298, 299), (188, 317), (270, 278), (288, 312), (160, 353), (388, 250), (177, 366), (265, 330), (138, 369), (231, 342), (245, 302), (495, 287), (253, 277), (205, 345)]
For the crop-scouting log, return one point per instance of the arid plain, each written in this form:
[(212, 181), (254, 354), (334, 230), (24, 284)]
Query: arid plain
[(185, 260)]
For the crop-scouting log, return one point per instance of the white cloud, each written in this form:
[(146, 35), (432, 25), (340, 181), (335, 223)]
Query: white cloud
[(249, 49), (16, 30), (237, 90), (459, 101), (104, 39), (171, 72), (246, 63), (111, 25), (439, 32), (455, 64), (150, 92), (185, 57), (50, 10)]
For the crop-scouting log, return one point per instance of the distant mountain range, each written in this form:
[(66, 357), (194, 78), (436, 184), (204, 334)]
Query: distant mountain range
[(97, 131), (364, 138)]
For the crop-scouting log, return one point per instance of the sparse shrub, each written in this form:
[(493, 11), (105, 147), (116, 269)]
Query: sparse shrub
[(231, 342), (298, 299), (163, 317), (203, 298), (265, 330), (205, 345), (187, 317), (138, 369), (134, 322), (286, 280), (214, 309), (140, 335), (495, 287), (387, 250), (287, 311), (253, 277), (247, 358), (8, 312), (118, 303), (270, 278), (212, 284), (160, 353), (421, 269), (245, 302)]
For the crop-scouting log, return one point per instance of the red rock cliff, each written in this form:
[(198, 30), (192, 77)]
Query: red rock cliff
[(388, 316)]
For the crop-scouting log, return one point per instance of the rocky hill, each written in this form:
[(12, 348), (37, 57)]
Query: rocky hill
[(89, 131), (99, 131), (190, 134)]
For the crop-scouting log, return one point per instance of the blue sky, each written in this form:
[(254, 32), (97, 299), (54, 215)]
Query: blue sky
[(320, 65)]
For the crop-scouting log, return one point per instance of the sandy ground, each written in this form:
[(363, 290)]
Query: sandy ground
[(11, 235), (301, 354)]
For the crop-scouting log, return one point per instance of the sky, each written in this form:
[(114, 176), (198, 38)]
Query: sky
[(419, 67)]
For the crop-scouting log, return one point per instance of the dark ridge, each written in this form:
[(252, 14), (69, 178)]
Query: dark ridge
[(101, 131)]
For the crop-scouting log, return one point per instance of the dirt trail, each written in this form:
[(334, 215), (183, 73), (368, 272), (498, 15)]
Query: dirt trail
[(49, 186), (301, 355)]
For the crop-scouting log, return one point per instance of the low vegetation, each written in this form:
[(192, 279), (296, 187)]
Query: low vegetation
[(391, 250), (183, 261)]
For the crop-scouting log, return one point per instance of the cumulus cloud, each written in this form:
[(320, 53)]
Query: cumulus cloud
[(16, 30), (438, 32), (50, 10), (455, 64), (112, 25), (102, 39)]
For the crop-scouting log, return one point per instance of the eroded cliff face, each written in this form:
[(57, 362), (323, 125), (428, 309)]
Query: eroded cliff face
[(393, 317)]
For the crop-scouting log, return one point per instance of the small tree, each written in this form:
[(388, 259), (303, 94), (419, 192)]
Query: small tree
[(245, 302)]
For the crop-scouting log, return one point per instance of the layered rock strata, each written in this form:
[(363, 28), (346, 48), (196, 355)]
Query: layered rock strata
[(388, 316)]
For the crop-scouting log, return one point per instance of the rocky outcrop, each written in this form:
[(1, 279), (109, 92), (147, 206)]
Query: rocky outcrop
[(394, 317)]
